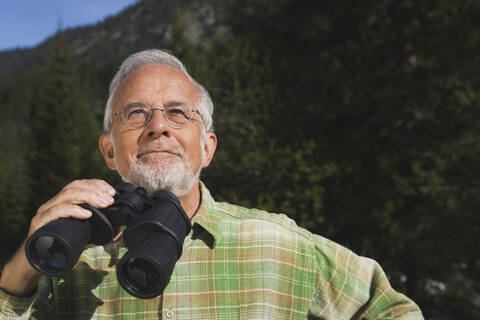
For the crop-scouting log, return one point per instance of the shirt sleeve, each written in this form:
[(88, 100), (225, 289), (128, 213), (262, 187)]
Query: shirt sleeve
[(12, 307), (352, 287), (39, 305)]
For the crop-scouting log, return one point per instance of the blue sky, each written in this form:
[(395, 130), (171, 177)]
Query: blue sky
[(26, 23)]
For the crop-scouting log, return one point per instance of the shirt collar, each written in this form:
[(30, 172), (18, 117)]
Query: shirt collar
[(206, 222)]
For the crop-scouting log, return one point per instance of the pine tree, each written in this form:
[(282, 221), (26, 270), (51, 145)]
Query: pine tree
[(15, 95), (65, 129)]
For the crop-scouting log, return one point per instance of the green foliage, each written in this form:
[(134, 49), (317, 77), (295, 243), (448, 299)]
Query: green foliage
[(192, 56), (14, 186), (65, 129), (263, 171)]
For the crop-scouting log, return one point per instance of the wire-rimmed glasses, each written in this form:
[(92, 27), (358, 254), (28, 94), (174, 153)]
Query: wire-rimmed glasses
[(138, 114)]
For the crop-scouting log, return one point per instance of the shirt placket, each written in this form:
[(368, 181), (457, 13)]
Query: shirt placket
[(169, 306), (171, 293)]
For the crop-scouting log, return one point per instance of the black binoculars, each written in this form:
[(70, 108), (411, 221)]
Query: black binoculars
[(156, 229)]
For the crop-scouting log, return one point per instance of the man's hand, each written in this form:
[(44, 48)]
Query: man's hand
[(96, 193), (18, 277)]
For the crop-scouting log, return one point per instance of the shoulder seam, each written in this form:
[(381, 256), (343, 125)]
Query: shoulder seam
[(284, 221)]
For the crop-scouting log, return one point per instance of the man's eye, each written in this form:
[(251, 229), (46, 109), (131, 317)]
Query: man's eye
[(177, 112), (136, 113)]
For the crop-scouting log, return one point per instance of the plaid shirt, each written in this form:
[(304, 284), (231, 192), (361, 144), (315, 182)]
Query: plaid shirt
[(237, 263)]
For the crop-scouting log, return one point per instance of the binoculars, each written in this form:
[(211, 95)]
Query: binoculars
[(156, 229)]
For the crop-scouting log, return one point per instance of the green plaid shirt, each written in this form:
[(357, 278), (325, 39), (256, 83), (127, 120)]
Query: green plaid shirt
[(237, 263)]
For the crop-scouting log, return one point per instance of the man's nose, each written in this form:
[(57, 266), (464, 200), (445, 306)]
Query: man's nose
[(158, 125)]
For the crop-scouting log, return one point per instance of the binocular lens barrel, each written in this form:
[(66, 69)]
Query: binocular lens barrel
[(49, 254), (145, 270), (142, 273), (155, 244), (55, 248), (141, 277)]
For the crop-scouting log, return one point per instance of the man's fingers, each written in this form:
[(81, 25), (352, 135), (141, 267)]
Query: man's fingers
[(77, 195), (95, 184), (95, 192), (56, 212)]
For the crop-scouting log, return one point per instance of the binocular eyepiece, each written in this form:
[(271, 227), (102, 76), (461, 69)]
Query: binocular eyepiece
[(156, 229)]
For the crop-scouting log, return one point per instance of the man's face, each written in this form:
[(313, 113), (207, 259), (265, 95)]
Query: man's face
[(157, 150)]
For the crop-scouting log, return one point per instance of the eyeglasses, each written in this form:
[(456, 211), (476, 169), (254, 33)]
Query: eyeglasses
[(138, 114)]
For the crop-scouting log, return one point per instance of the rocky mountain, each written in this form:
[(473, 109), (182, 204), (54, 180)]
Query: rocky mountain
[(145, 24)]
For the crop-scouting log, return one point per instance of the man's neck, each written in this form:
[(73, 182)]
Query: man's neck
[(191, 201)]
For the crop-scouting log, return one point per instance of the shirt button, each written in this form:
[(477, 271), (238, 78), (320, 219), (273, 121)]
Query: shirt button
[(169, 313)]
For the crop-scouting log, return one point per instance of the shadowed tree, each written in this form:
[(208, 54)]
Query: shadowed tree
[(65, 129)]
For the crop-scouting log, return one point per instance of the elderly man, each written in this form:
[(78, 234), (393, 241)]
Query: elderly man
[(237, 263)]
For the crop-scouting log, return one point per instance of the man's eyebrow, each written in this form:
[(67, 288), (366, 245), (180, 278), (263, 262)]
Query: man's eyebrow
[(168, 104), (175, 103), (132, 103)]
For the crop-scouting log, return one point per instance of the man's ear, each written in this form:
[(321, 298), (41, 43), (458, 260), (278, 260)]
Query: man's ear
[(209, 147), (106, 148)]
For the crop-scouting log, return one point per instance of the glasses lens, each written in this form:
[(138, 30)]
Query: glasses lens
[(177, 115), (136, 115), (143, 274), (50, 254)]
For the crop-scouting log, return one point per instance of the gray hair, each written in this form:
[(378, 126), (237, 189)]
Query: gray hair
[(158, 56)]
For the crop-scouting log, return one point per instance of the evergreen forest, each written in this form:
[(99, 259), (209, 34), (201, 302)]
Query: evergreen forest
[(358, 119)]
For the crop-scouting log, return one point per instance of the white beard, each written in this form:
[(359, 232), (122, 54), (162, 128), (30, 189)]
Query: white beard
[(154, 173)]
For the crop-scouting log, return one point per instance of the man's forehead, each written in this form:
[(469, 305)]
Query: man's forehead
[(157, 80)]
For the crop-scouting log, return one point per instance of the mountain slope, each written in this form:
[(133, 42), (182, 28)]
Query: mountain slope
[(146, 24)]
